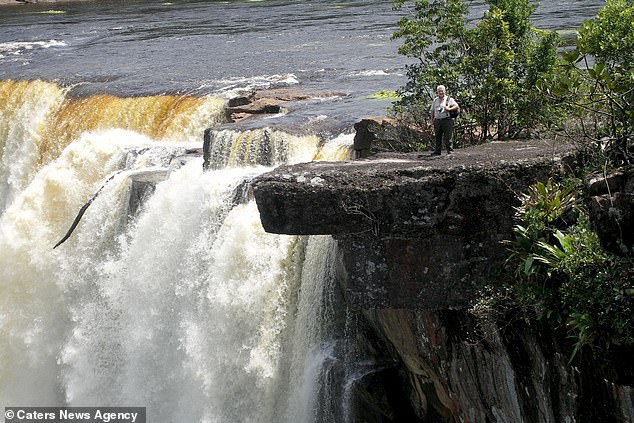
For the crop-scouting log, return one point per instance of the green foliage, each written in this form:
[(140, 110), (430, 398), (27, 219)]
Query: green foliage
[(517, 14), (544, 208), (596, 80), (491, 68), (565, 274), (490, 65), (433, 36), (610, 37)]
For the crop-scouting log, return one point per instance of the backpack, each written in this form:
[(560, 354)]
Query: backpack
[(454, 113)]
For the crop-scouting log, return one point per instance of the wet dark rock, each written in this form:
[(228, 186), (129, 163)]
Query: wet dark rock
[(611, 206), (267, 102), (142, 186), (380, 134), (261, 106), (242, 100)]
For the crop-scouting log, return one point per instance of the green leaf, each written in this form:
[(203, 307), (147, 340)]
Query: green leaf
[(570, 56)]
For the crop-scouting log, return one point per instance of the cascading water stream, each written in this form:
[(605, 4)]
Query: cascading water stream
[(184, 306), (26, 105)]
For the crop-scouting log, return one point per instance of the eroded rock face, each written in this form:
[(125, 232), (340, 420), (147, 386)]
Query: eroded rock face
[(462, 370)]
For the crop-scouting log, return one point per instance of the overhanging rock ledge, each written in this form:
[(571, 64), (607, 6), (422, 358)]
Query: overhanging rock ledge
[(414, 231)]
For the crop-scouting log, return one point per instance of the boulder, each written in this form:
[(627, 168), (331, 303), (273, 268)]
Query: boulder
[(259, 106), (381, 134), (268, 102)]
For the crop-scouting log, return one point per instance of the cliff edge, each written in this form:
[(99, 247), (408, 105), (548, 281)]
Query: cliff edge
[(415, 231), (418, 237)]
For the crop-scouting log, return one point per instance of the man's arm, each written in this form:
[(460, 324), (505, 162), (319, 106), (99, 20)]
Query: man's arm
[(451, 105)]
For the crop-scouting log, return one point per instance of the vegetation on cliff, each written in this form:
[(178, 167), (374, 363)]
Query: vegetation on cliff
[(565, 271), (511, 83), (565, 275), (491, 68)]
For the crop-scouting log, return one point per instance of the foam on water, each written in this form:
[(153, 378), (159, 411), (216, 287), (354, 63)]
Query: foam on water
[(186, 307)]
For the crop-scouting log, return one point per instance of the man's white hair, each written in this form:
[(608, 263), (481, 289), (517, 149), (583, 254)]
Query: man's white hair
[(441, 86)]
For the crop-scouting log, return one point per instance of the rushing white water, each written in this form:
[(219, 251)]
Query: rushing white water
[(192, 301), (312, 347), (26, 106), (186, 307)]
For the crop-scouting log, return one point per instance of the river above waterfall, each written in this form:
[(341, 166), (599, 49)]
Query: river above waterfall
[(223, 47)]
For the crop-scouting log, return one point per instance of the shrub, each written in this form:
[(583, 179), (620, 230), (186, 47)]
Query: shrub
[(492, 68), (564, 273), (596, 81)]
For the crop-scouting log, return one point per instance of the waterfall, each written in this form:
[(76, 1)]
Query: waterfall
[(39, 119), (257, 147), (25, 105), (179, 302)]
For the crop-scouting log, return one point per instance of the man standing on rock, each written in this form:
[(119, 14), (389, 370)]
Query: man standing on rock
[(442, 120)]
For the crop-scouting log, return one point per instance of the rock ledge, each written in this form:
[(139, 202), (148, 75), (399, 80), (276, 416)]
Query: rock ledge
[(414, 231)]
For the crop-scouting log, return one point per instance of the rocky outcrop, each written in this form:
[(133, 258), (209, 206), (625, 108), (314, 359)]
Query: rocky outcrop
[(268, 102), (380, 134), (142, 186), (415, 231), (417, 237)]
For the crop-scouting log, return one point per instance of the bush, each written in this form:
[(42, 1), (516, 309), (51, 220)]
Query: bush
[(564, 273), (596, 81), (492, 68)]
